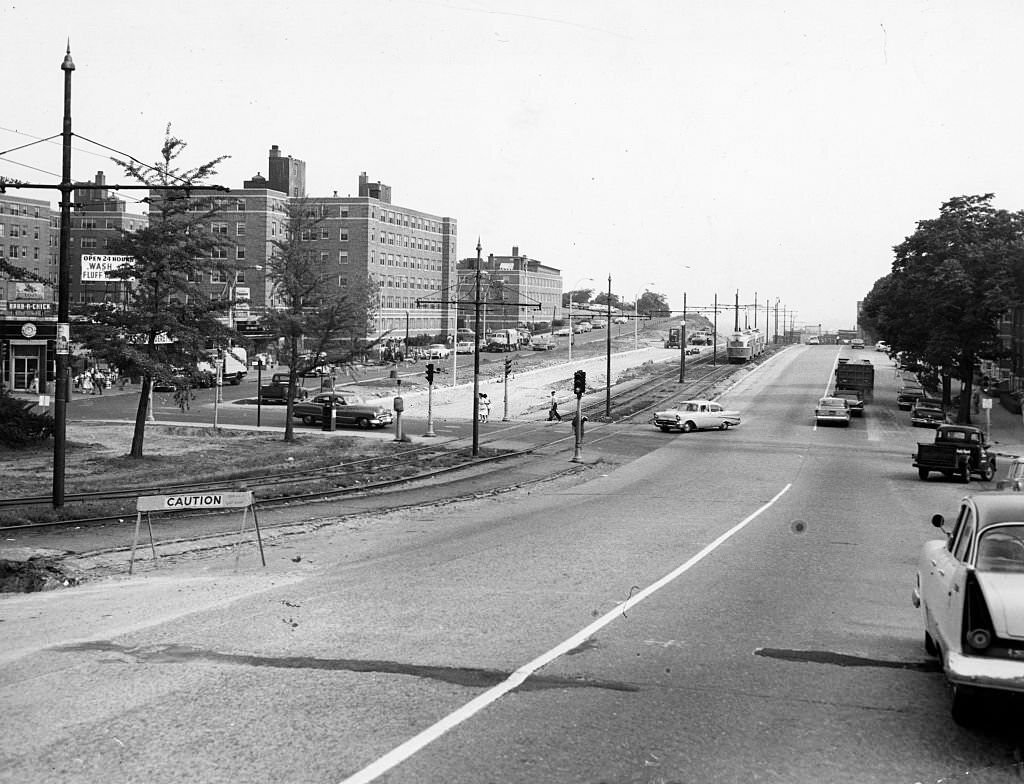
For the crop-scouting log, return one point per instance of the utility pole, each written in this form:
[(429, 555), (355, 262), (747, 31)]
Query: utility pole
[(63, 335), (476, 355), (60, 415), (608, 354)]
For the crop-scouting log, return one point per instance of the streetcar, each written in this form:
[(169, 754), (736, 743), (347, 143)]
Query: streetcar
[(744, 346)]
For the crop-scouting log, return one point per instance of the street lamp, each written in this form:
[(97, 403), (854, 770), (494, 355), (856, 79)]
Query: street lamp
[(636, 318), (571, 291)]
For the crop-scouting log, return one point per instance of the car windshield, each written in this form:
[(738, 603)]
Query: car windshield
[(832, 401), (1002, 549)]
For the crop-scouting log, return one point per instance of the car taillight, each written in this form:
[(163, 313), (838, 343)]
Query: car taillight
[(978, 632)]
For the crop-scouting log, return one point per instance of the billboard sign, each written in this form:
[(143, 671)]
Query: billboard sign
[(98, 268)]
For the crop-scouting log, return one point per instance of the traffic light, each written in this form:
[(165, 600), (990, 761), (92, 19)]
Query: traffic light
[(508, 366), (579, 382), (430, 372)]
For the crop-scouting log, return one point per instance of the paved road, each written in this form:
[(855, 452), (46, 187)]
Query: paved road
[(710, 607)]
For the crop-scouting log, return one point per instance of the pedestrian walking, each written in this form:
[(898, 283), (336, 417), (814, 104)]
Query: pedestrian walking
[(98, 381), (87, 383), (483, 407), (553, 414)]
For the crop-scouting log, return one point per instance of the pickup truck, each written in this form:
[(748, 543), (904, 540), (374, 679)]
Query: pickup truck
[(277, 390), (957, 452)]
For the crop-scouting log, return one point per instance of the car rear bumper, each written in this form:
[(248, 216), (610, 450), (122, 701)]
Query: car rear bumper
[(986, 673)]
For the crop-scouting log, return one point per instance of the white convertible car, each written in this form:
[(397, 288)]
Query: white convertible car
[(970, 586), (690, 415)]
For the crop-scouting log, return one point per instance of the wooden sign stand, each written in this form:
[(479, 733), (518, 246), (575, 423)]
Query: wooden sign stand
[(186, 501)]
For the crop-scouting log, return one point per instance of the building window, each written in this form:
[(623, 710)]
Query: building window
[(110, 225), (343, 257), (344, 212), (323, 233), (219, 253), (88, 242), (88, 223), (343, 235), (305, 235), (239, 229), (240, 251), (240, 205), (219, 228), (325, 257), (218, 276), (342, 281), (1, 229)]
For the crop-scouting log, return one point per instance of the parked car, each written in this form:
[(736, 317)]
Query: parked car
[(690, 415), (927, 414), (564, 332), (882, 346), (348, 410), (970, 588), (958, 452), (438, 351), (833, 410), (544, 345), (599, 324), (620, 320), (692, 350), (464, 347), (1014, 479)]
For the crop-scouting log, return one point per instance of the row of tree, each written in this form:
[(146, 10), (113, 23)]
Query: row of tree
[(170, 318), (647, 303), (952, 281)]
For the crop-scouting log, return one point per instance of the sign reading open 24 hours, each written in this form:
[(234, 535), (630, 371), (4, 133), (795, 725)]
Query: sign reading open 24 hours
[(183, 501)]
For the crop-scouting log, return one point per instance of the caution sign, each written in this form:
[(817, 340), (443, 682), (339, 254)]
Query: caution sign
[(181, 502)]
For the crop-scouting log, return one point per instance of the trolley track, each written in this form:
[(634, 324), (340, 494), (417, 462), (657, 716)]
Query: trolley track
[(631, 400)]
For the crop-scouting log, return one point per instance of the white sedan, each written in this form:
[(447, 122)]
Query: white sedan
[(438, 351), (690, 415), (970, 587)]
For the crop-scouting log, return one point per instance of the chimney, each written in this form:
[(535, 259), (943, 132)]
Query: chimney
[(275, 151)]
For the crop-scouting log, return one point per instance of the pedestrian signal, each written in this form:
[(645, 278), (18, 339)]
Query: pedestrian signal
[(508, 366), (430, 372)]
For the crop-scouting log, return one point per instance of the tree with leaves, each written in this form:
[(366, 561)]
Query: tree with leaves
[(170, 316), (951, 282), (311, 313)]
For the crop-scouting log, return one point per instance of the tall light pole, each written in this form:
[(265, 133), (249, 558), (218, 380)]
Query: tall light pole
[(571, 291), (636, 317)]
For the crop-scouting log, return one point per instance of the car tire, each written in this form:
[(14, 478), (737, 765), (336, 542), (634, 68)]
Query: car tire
[(922, 474), (965, 476), (665, 428), (929, 645), (688, 427), (988, 473), (724, 426), (363, 423), (308, 420), (964, 706)]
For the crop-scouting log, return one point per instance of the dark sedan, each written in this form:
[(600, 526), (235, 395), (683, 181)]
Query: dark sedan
[(927, 415)]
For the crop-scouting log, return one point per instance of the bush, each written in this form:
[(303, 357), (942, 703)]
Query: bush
[(21, 427)]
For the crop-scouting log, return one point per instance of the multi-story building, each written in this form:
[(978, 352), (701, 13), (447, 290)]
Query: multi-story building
[(407, 257), (404, 255), (98, 218), (516, 291), (28, 311)]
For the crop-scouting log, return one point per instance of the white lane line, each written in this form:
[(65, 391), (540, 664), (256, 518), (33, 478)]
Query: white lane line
[(401, 753)]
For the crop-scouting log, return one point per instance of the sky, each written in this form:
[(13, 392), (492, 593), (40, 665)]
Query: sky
[(760, 150)]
